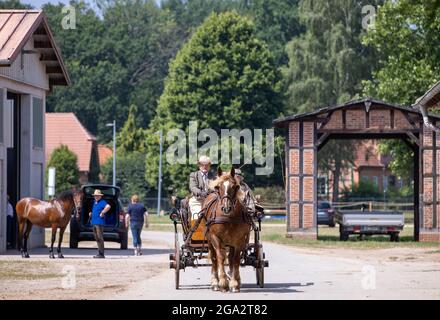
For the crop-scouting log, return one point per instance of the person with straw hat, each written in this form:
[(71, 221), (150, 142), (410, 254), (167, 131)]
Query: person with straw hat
[(100, 208), (199, 185)]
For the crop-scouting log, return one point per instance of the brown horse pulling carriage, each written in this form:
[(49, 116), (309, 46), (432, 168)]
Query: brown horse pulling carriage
[(223, 226)]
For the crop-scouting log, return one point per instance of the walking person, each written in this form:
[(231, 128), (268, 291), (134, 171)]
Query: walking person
[(100, 208), (137, 214), (9, 223)]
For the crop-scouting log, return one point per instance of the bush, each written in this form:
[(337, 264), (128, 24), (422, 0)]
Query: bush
[(67, 172)]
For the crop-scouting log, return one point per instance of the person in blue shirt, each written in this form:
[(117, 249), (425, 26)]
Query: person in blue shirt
[(100, 208), (137, 214)]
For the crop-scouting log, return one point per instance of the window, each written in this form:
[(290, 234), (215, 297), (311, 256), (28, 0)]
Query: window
[(376, 181), (37, 123)]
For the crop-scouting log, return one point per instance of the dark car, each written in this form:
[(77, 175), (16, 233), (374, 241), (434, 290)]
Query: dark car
[(114, 228), (326, 215)]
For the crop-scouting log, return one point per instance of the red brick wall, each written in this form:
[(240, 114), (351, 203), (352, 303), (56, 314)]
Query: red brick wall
[(294, 134), (429, 236), (355, 119), (400, 121), (294, 161), (380, 119), (294, 189), (294, 216), (309, 130), (308, 216), (335, 121), (308, 189), (308, 158)]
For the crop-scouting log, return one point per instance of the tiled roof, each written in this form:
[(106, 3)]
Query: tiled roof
[(16, 29), (431, 98), (65, 128), (104, 153)]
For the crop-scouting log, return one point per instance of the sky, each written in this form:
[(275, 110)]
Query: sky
[(38, 3)]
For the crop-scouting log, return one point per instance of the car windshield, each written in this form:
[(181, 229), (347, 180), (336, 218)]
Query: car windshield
[(323, 205)]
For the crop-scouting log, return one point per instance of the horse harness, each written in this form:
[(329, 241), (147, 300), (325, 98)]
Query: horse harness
[(244, 218)]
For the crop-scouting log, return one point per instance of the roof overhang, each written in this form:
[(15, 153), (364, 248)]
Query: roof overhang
[(367, 103), (431, 98), (16, 29)]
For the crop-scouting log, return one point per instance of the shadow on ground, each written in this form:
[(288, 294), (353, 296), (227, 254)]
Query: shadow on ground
[(252, 288), (81, 252)]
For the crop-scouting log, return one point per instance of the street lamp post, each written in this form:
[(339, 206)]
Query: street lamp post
[(114, 149), (159, 180)]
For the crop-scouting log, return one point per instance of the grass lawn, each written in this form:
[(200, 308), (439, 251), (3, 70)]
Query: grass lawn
[(329, 237)]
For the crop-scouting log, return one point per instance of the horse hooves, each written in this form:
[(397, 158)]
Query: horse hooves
[(60, 256), (235, 290), (215, 288)]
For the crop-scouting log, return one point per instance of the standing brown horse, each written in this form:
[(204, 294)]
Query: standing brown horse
[(53, 214), (228, 227)]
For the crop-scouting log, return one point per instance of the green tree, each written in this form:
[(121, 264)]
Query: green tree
[(406, 37), (130, 173), (224, 77), (321, 69), (114, 61), (131, 138), (65, 163), (14, 4), (277, 22)]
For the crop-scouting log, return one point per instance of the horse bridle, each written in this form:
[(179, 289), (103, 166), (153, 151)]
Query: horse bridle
[(226, 196)]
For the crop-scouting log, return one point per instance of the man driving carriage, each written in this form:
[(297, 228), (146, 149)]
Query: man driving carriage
[(199, 185)]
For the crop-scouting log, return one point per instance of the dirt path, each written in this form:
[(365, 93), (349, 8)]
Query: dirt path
[(313, 274), (294, 273)]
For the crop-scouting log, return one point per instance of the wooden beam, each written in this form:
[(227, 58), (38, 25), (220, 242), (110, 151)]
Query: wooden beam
[(367, 131), (408, 118), (413, 138), (322, 139), (56, 70), (48, 57), (392, 118), (42, 45), (57, 82)]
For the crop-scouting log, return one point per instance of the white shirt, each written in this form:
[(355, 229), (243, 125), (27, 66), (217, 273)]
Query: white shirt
[(10, 211)]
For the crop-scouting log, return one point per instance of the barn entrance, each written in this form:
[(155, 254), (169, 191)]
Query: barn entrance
[(13, 164), (354, 177), (362, 119)]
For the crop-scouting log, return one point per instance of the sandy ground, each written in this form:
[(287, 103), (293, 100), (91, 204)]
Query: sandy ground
[(78, 275), (294, 273)]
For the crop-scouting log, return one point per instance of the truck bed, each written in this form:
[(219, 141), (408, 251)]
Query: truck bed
[(373, 218)]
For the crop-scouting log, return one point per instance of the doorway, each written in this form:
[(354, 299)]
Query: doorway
[(366, 181), (13, 162)]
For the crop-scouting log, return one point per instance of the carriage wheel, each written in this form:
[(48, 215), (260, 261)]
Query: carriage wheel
[(177, 255), (260, 270)]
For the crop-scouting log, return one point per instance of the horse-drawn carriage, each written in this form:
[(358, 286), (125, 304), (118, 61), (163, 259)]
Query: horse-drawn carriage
[(195, 246)]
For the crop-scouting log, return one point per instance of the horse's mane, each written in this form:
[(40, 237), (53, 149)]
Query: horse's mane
[(65, 195), (224, 177)]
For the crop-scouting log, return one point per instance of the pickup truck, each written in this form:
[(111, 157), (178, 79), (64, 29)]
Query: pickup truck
[(369, 223)]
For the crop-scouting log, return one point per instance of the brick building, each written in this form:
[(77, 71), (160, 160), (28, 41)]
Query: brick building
[(362, 119)]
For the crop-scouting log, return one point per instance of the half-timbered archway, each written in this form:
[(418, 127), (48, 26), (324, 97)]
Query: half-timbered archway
[(363, 119)]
